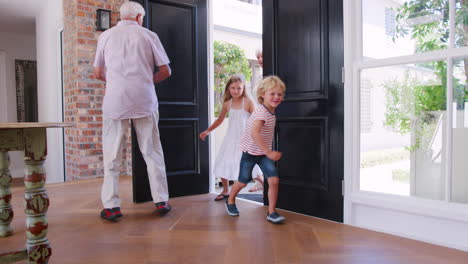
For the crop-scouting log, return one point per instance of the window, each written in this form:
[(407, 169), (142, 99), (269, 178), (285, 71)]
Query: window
[(414, 141), (404, 27), (389, 22), (459, 178), (403, 152), (366, 115)]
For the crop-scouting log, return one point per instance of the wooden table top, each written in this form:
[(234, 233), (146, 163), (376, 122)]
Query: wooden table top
[(34, 125)]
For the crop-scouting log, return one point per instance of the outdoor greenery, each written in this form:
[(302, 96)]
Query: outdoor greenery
[(410, 103), (400, 175), (412, 106), (428, 36), (378, 157), (435, 33), (229, 59)]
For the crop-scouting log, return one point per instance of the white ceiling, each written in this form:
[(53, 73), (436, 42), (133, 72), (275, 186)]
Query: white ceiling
[(18, 16)]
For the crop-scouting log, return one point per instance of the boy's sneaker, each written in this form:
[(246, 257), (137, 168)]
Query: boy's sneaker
[(163, 208), (108, 214), (231, 209), (275, 218), (117, 212)]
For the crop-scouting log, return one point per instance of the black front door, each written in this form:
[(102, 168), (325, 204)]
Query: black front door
[(183, 98), (303, 44)]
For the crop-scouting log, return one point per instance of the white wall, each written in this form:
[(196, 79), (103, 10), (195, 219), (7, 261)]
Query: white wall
[(238, 23), (239, 15), (43, 47), (49, 21), (431, 221), (20, 47)]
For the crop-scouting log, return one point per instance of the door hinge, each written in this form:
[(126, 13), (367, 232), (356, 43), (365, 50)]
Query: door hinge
[(342, 187), (343, 75)]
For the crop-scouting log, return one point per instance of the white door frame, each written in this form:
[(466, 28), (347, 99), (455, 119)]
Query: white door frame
[(211, 118), (3, 87)]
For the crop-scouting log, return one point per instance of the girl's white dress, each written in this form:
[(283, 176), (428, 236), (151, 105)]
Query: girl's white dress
[(227, 162)]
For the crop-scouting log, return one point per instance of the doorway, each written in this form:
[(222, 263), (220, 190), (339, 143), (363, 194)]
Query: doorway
[(236, 32)]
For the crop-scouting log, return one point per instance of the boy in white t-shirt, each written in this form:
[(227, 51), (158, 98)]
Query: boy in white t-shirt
[(256, 146)]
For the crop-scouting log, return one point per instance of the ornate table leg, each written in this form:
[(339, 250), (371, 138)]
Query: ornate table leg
[(36, 199), (6, 211)]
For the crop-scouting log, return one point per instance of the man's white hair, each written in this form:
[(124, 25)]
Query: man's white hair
[(258, 52), (131, 10)]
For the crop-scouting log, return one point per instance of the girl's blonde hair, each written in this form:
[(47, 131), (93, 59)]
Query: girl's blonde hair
[(268, 83), (234, 78)]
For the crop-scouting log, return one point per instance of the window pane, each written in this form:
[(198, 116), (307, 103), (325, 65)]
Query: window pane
[(461, 23), (460, 132), (402, 130), (403, 27)]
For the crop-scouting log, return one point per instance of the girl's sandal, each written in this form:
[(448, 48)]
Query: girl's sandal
[(221, 197)]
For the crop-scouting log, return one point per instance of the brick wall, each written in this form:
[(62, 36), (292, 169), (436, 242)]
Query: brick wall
[(83, 94)]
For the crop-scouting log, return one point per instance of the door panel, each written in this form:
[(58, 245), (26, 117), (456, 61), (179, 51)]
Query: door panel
[(183, 98), (309, 171), (174, 24), (297, 31), (303, 44)]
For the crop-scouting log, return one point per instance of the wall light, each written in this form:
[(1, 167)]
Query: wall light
[(103, 19)]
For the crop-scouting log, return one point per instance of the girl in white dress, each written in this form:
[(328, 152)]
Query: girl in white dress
[(239, 107)]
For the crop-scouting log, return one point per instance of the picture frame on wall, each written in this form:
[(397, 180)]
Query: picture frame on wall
[(26, 90)]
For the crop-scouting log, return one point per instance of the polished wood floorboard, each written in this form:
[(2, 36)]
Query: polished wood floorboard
[(198, 230)]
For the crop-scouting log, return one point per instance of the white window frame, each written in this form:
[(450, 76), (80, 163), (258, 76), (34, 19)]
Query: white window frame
[(356, 199)]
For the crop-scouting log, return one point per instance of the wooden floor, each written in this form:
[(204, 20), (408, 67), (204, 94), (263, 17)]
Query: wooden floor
[(198, 230)]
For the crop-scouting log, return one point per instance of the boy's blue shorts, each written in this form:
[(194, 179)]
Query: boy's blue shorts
[(247, 163)]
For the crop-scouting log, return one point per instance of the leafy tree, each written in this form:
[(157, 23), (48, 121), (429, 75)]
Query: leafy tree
[(433, 35), (409, 103), (229, 59)]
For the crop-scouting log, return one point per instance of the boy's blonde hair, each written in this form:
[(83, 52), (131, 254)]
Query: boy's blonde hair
[(268, 83), (234, 78)]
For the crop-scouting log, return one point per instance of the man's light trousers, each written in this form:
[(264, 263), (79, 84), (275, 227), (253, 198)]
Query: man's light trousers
[(113, 137)]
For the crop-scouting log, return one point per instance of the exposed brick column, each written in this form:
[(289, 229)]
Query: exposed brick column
[(84, 94)]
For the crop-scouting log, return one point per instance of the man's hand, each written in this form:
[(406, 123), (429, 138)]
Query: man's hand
[(274, 155), (164, 71), (99, 73)]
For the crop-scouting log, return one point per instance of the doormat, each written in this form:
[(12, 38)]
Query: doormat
[(251, 196)]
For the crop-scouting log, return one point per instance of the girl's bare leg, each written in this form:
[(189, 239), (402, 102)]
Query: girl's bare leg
[(257, 186), (225, 186), (260, 178)]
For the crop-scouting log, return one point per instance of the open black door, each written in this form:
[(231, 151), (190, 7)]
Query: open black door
[(303, 44), (183, 98)]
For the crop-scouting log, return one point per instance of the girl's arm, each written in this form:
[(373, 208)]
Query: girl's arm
[(250, 105), (257, 138), (216, 123)]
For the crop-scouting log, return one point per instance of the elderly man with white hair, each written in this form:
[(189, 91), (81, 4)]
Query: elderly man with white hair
[(126, 58)]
